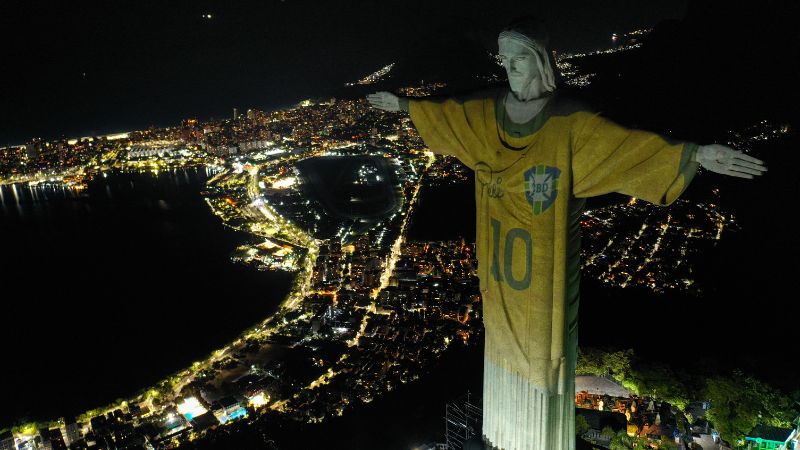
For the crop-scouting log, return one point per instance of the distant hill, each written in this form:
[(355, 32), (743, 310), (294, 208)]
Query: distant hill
[(461, 62), (727, 64)]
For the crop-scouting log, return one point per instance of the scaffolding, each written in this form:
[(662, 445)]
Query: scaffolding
[(462, 421)]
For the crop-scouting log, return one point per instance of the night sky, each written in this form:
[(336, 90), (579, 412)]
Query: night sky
[(77, 68)]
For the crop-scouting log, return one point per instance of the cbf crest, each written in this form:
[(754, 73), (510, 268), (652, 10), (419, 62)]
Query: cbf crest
[(541, 187)]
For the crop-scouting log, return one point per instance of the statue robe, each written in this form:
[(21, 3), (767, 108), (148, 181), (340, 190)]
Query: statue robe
[(531, 181)]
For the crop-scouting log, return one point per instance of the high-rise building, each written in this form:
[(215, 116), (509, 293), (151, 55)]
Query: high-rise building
[(72, 432), (235, 113), (53, 440), (33, 148)]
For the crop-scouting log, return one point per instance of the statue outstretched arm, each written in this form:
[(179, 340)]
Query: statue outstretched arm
[(607, 157), (448, 125), (727, 161), (610, 158)]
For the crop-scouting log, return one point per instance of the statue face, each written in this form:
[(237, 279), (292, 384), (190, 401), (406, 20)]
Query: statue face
[(521, 64)]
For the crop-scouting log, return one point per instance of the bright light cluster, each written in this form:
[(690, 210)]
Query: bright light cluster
[(284, 183), (373, 77), (258, 400), (191, 408)]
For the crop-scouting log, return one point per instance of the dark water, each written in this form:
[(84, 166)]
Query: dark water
[(356, 192), (107, 292)]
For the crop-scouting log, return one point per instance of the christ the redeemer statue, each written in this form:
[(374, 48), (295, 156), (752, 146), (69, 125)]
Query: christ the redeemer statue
[(536, 158)]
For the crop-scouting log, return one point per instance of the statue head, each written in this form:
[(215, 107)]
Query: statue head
[(524, 55)]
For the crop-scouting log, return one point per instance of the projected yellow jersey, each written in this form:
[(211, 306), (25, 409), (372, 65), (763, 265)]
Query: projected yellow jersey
[(530, 184)]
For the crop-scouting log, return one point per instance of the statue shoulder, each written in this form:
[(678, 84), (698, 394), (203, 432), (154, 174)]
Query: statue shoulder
[(480, 94), (463, 98), (483, 93), (569, 103)]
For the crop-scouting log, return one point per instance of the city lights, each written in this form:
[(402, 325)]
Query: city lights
[(191, 408)]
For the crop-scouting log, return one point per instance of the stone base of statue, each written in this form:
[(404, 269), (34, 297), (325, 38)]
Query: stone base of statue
[(518, 415)]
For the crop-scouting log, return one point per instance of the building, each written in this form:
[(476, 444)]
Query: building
[(764, 437), (53, 439), (33, 148), (227, 409), (433, 446), (598, 420), (71, 432), (204, 421)]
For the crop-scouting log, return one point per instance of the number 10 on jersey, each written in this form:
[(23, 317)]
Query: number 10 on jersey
[(506, 272)]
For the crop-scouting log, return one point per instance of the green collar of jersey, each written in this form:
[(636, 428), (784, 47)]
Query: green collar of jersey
[(519, 130)]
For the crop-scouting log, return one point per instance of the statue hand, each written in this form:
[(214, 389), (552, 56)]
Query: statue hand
[(385, 101), (727, 161)]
